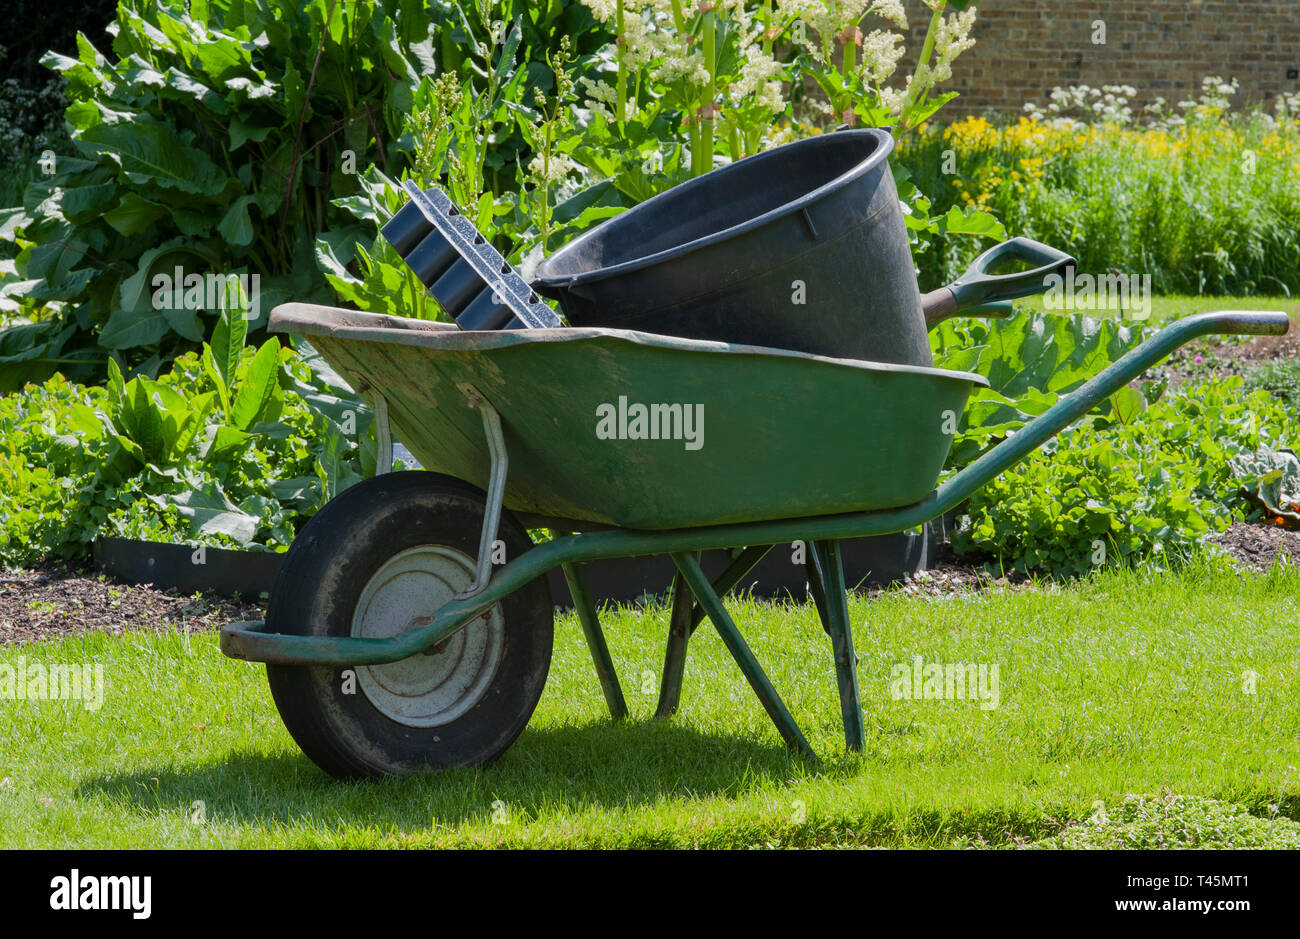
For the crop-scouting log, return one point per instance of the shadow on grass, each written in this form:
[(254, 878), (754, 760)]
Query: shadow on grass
[(571, 768)]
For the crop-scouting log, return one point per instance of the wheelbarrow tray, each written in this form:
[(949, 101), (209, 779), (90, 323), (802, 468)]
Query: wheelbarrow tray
[(743, 433)]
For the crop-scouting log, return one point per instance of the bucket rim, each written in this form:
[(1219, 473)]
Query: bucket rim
[(884, 146)]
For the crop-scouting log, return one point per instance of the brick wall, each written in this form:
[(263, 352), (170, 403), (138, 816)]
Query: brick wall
[(1024, 48)]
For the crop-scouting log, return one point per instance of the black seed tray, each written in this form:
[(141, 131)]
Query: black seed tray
[(466, 275)]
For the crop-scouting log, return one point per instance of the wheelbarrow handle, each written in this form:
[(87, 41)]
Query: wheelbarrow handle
[(1070, 407), (980, 293)]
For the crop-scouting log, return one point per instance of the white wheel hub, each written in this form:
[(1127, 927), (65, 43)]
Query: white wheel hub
[(432, 688)]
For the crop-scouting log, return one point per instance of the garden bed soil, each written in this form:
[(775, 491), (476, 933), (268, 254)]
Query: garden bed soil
[(55, 602), (1258, 546), (1230, 356)]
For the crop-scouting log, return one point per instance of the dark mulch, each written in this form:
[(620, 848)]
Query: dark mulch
[(1257, 546), (55, 602), (953, 577), (955, 573)]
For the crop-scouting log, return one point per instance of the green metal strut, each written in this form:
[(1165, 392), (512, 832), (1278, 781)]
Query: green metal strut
[(595, 637), (841, 632), (686, 615), (680, 626), (740, 651)]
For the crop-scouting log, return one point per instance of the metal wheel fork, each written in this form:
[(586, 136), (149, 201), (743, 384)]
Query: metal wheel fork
[(572, 572), (496, 490), (383, 432), (817, 584)]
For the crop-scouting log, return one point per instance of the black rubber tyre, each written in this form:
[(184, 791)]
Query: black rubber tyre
[(344, 556)]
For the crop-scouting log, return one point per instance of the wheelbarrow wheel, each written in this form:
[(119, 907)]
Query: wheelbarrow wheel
[(387, 550)]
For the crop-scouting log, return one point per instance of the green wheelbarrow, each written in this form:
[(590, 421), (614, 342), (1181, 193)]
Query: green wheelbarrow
[(410, 627)]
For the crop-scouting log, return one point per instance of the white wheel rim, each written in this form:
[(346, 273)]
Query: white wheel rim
[(429, 689)]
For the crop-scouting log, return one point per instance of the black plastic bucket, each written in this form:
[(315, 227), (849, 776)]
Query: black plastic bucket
[(800, 247)]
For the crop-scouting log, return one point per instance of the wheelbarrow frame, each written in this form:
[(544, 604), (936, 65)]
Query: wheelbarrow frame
[(694, 596)]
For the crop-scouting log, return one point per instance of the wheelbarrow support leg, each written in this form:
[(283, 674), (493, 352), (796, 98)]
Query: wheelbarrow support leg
[(743, 563), (680, 627), (591, 630), (846, 661), (740, 651), (817, 583), (686, 615)]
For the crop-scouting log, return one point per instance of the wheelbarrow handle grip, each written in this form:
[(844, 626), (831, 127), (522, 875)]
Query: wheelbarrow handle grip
[(1251, 323), (980, 293)]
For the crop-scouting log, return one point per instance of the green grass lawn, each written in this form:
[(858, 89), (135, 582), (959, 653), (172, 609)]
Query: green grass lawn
[(1122, 685), (1174, 307)]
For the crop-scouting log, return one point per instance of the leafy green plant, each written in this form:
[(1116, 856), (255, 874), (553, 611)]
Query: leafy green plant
[(1281, 379), (722, 73), (374, 278), (1206, 203), (1271, 481), (1030, 360), (1142, 488), (685, 87), (216, 138), (470, 34), (235, 445), (1176, 821), (646, 124), (53, 458), (1142, 479)]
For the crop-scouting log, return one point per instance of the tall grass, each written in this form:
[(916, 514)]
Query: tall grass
[(1208, 206)]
